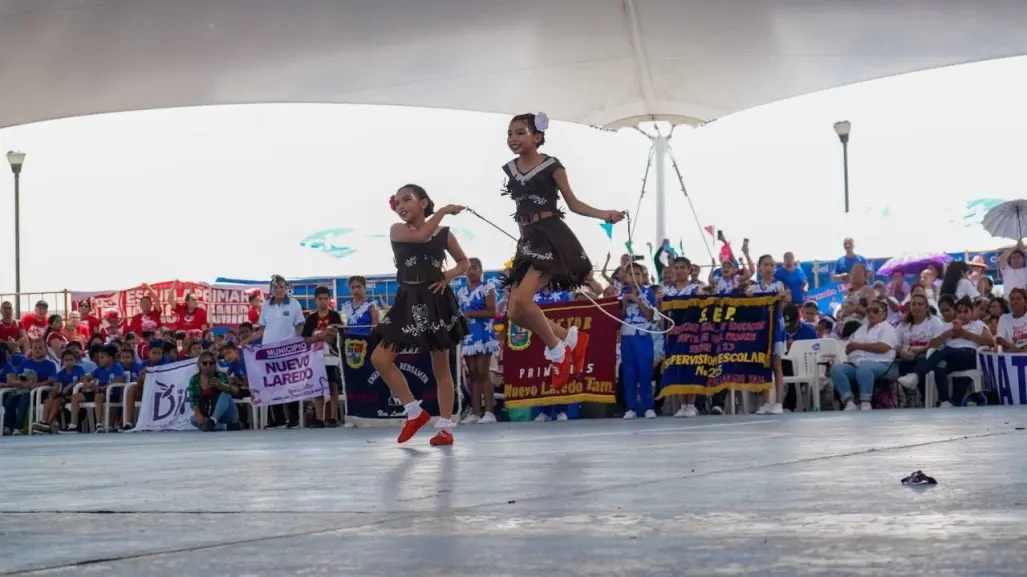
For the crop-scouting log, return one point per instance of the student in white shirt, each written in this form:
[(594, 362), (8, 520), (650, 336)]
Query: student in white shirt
[(682, 285), (1012, 327), (955, 350), (871, 351), (1011, 265), (957, 281), (918, 328)]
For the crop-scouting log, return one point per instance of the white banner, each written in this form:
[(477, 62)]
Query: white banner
[(1006, 373), (285, 372), (165, 400)]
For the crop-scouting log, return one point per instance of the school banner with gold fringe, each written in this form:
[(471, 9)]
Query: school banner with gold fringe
[(718, 343), (526, 370)]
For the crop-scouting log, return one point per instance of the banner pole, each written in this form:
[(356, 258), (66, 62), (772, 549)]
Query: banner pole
[(343, 413)]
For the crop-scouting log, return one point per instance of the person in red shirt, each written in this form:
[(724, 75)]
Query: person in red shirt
[(112, 328), (90, 318), (147, 312), (11, 331), (191, 316), (54, 336), (35, 323), (256, 302), (76, 330)]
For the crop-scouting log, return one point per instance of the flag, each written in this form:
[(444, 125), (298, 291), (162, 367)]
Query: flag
[(608, 228), (710, 230)]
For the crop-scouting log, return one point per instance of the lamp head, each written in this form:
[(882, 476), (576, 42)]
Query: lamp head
[(16, 159), (842, 129)]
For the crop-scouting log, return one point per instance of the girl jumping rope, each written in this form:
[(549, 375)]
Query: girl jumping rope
[(425, 314), (548, 253)]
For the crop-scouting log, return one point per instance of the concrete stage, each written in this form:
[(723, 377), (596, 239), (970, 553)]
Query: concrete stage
[(811, 494)]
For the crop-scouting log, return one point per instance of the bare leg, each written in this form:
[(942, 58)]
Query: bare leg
[(333, 402), (444, 380), (523, 310), (779, 380), (319, 408), (75, 400), (130, 403), (384, 359), (487, 390)]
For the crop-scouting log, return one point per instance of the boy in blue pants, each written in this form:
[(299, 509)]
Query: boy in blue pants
[(636, 346)]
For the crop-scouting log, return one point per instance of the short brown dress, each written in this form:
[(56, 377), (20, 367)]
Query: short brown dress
[(547, 245), (421, 319)]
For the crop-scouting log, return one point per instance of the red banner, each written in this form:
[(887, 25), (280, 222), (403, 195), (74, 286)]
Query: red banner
[(526, 370), (226, 305)]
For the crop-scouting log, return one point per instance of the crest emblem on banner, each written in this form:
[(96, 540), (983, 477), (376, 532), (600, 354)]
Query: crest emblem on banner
[(356, 351), (518, 338)]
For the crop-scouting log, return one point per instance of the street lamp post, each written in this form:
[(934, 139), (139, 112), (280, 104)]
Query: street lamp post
[(842, 130), (17, 159)]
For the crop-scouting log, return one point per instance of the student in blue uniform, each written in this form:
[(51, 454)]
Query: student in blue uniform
[(636, 344), (766, 285), (478, 304), (682, 285), (361, 314), (70, 375)]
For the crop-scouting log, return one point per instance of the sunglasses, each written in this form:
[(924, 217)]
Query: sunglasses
[(876, 310), (206, 364)]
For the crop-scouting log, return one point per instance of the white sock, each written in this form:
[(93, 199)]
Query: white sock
[(572, 337), (413, 410), (444, 424), (556, 355)]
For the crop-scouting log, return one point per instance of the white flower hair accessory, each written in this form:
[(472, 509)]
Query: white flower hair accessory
[(541, 122)]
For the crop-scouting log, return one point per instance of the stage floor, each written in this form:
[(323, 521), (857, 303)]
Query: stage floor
[(811, 494)]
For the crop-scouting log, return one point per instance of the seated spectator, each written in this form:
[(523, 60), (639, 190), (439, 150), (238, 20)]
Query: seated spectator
[(1011, 267), (986, 286), (210, 397), (930, 279), (54, 335), (982, 308), (1012, 326), (998, 306), (795, 330), (955, 350), (957, 281), (129, 364), (35, 371), (918, 328), (898, 288), (871, 351), (133, 394), (35, 324), (857, 298), (811, 313), (107, 372), (11, 332), (70, 375), (235, 368), (825, 328), (171, 351)]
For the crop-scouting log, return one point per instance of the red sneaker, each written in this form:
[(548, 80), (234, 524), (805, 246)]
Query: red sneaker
[(411, 427), (578, 355), (442, 438), (561, 371)]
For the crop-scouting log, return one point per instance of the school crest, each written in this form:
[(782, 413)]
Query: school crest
[(356, 352), (518, 338)]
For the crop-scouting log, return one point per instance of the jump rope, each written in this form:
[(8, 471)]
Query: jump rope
[(664, 319)]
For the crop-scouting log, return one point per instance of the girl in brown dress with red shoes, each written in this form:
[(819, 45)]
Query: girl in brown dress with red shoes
[(548, 253)]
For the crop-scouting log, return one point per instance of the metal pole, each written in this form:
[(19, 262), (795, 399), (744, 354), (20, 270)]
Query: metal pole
[(845, 169), (17, 243), (660, 166)]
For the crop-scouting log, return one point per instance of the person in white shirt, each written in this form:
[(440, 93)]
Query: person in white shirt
[(1011, 265), (682, 285), (281, 319), (1012, 326), (957, 281), (955, 349), (871, 351), (918, 327)]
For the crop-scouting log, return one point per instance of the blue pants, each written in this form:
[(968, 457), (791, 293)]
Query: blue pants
[(224, 413), (636, 357), (864, 374), (16, 406)]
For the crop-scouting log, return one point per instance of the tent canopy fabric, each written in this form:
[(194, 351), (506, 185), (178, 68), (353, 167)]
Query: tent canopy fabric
[(601, 62)]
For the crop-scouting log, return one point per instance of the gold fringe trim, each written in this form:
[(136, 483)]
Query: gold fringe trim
[(671, 390), (563, 400)]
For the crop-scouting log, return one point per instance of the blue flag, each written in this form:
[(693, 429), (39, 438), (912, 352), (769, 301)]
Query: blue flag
[(608, 227)]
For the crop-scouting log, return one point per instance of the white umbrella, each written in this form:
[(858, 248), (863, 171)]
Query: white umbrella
[(1007, 220)]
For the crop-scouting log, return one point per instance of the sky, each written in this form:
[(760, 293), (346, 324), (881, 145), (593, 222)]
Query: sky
[(110, 201)]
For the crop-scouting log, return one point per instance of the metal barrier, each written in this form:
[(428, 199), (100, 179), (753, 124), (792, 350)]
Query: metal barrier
[(59, 301)]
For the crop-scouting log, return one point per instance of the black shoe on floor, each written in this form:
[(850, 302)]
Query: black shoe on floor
[(315, 424), (292, 425), (332, 424)]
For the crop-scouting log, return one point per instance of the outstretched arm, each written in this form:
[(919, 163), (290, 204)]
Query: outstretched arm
[(577, 206), (403, 233)]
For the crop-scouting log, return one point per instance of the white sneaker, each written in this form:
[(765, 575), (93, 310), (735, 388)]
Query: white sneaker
[(945, 405), (713, 411), (690, 411), (542, 418), (561, 416), (764, 409), (470, 419), (629, 415), (487, 419), (777, 409), (650, 414), (682, 412), (909, 381), (865, 406), (850, 406)]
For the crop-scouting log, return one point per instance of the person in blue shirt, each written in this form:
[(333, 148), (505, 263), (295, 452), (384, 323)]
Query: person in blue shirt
[(130, 365), (67, 377), (795, 330), (361, 314), (35, 371), (845, 263), (108, 372), (794, 279), (636, 344), (133, 394)]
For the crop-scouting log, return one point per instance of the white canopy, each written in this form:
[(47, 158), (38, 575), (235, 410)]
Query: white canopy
[(600, 62)]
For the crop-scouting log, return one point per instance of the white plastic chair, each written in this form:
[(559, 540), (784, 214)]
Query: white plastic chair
[(36, 406), (88, 408), (974, 374), (803, 356), (108, 405)]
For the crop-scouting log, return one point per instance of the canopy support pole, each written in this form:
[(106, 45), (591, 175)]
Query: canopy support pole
[(660, 150)]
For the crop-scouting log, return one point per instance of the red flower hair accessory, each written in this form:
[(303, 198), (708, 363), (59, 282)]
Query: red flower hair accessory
[(393, 203)]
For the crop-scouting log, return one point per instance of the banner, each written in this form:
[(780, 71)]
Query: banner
[(827, 296), (227, 305), (369, 403), (1007, 375), (165, 399), (526, 372), (284, 372), (718, 343)]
